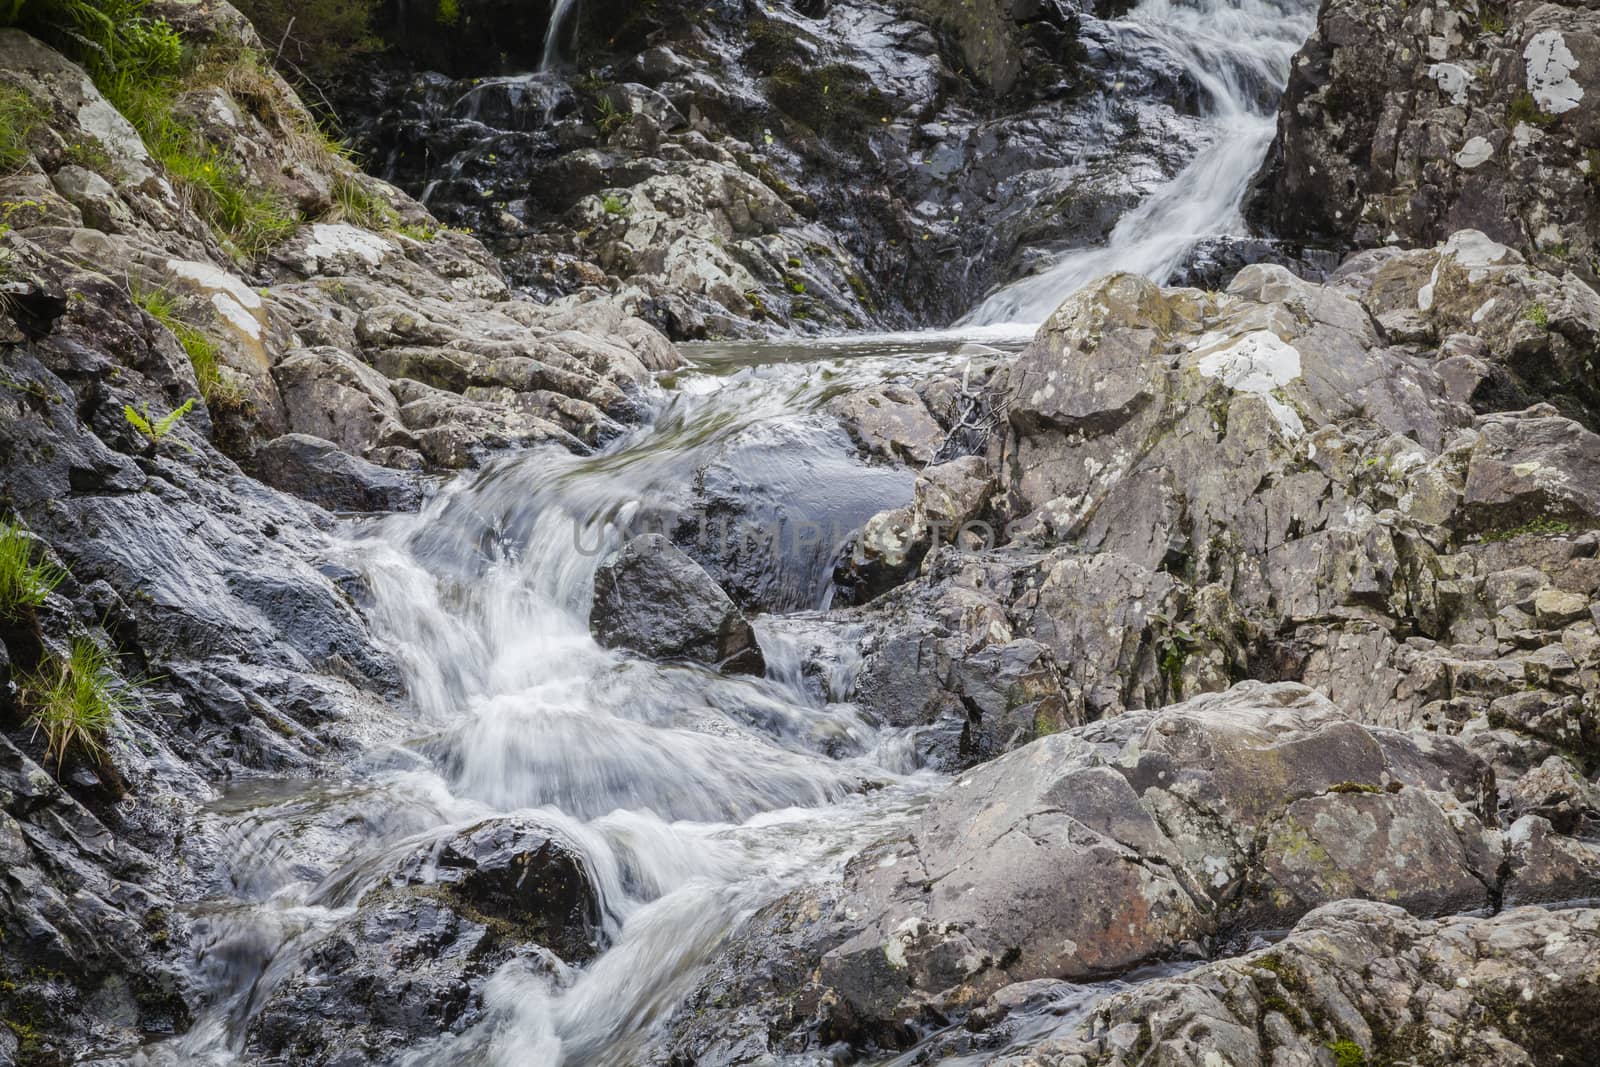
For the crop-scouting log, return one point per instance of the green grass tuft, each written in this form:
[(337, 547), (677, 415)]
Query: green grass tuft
[(1524, 108), (20, 115), (219, 391), (24, 581), (74, 701), (353, 203), (1348, 1054)]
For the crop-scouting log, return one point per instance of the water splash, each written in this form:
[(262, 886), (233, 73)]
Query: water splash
[(1238, 54)]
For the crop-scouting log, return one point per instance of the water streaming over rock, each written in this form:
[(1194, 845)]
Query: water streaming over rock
[(691, 797), (1237, 52), (552, 37)]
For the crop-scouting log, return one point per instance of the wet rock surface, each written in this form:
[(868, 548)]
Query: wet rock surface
[(652, 599), (729, 171)]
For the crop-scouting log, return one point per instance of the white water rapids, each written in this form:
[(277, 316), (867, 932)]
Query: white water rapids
[(694, 798)]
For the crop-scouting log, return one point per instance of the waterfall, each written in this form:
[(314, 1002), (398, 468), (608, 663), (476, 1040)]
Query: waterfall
[(1231, 50), (552, 36)]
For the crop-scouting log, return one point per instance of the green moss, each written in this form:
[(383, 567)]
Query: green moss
[(615, 205), (757, 306), (1354, 787), (25, 582), (1539, 315), (448, 12), (1348, 1054), (1542, 527)]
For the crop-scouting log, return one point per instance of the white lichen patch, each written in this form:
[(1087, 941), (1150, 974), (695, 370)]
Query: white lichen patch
[(332, 240), (1550, 68), (1453, 80), (237, 303), (1474, 153), (1258, 362)]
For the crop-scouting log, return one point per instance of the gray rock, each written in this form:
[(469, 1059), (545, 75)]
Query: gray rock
[(1473, 991), (319, 471), (1092, 851), (652, 599)]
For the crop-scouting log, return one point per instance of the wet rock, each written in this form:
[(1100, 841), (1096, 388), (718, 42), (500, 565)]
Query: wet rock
[(652, 599), (518, 874), (319, 471), (892, 422), (773, 507), (403, 971)]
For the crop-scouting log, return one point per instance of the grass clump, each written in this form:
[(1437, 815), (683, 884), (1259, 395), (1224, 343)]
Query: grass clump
[(355, 204), (1524, 108), (20, 115), (1539, 315), (24, 581), (218, 390), (74, 700), (140, 64)]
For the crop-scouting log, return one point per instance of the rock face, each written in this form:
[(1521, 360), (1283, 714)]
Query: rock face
[(1404, 124), (1478, 991), (1360, 490), (735, 171), (652, 599), (1148, 836), (338, 359)]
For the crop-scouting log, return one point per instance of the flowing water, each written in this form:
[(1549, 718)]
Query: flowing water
[(1238, 53), (694, 798)]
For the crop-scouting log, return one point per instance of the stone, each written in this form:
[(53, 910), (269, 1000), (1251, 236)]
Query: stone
[(320, 472), (652, 599)]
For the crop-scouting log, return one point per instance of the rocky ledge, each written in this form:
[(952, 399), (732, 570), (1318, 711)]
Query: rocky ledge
[(1265, 599)]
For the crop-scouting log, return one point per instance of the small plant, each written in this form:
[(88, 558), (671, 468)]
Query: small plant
[(448, 12), (611, 116), (1524, 108), (1539, 315), (74, 701), (219, 392), (1348, 1054), (1493, 22), (24, 583), (20, 115), (615, 205), (423, 231), (156, 429), (353, 203)]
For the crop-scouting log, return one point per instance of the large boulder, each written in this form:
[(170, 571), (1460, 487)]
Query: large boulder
[(1092, 851), (1477, 991), (652, 599), (411, 962)]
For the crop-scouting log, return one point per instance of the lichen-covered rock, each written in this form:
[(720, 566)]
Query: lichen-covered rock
[(1512, 988), (1402, 125), (1091, 851)]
